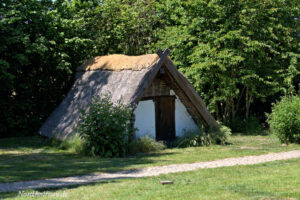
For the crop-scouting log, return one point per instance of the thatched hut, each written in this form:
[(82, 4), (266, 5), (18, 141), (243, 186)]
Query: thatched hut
[(166, 103)]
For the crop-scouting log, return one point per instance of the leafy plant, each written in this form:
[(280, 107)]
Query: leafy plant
[(106, 127), (194, 139), (204, 138), (145, 144), (220, 136), (285, 119)]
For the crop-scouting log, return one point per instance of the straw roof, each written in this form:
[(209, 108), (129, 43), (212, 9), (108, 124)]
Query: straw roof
[(117, 62), (119, 85), (121, 77)]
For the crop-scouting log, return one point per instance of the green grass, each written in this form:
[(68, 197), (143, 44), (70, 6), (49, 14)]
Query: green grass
[(274, 180), (31, 158)]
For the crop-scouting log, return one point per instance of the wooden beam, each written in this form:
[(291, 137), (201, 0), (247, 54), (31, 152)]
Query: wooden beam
[(159, 52), (154, 97), (190, 107), (191, 93), (145, 83)]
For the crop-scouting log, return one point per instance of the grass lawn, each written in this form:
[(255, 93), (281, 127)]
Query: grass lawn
[(32, 158), (274, 180)]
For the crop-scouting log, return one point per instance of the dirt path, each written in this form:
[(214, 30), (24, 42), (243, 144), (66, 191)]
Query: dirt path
[(149, 171)]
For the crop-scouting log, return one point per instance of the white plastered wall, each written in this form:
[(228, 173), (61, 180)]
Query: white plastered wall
[(183, 120), (145, 118)]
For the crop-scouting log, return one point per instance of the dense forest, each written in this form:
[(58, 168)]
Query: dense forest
[(240, 55)]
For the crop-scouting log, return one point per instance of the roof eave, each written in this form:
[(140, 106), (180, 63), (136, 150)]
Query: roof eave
[(191, 93), (149, 77)]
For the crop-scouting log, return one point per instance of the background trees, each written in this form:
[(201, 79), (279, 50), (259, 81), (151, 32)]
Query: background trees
[(236, 52), (240, 55), (40, 48)]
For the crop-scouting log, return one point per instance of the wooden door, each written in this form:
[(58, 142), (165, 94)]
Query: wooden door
[(165, 118)]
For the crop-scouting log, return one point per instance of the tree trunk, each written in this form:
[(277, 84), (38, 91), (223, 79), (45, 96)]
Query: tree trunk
[(232, 108), (226, 110), (217, 111), (248, 102)]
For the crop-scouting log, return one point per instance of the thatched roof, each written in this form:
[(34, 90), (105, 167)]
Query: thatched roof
[(118, 62), (122, 80)]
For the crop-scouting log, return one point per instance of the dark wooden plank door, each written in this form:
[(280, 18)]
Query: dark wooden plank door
[(165, 118)]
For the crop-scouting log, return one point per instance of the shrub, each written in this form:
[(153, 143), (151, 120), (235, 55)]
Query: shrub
[(220, 136), (145, 145), (106, 128), (194, 139), (204, 138), (284, 120)]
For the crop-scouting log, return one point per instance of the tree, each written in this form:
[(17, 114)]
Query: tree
[(43, 42), (235, 52), (38, 53)]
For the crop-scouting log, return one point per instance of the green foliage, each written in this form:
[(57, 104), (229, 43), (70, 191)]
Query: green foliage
[(194, 139), (40, 48), (285, 119), (75, 144), (106, 128), (43, 42), (220, 136), (249, 125), (145, 145), (235, 52), (204, 138)]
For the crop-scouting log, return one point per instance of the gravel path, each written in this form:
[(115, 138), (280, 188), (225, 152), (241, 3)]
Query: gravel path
[(149, 171)]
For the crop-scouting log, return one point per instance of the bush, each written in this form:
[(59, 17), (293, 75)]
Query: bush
[(220, 136), (284, 120), (145, 145), (193, 139), (203, 138), (106, 128)]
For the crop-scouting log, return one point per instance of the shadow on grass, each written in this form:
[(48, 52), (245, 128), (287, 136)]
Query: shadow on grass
[(254, 133), (50, 192), (248, 190), (57, 189), (34, 166), (34, 142), (7, 195)]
